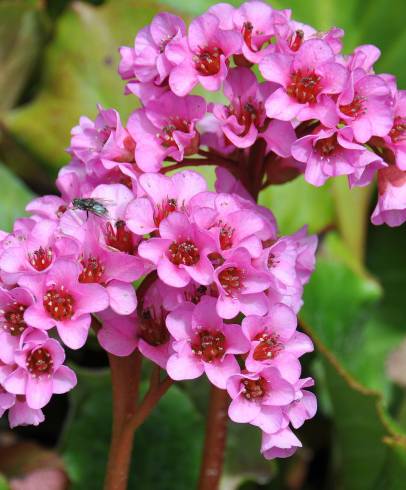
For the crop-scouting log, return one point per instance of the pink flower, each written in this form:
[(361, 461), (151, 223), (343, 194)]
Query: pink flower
[(64, 302), (275, 342), (164, 196), (306, 79), (203, 56), (259, 398), (13, 304), (203, 343), (391, 206), (304, 406), (366, 106), (154, 339), (48, 207), (180, 254), (40, 371), (240, 286), (281, 444), (256, 23), (36, 252), (21, 414), (147, 61), (166, 128), (118, 333), (396, 139), (330, 153), (245, 116)]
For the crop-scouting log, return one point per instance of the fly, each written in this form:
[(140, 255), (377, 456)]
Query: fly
[(90, 205)]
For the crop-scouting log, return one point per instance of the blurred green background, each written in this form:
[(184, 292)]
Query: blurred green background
[(58, 59)]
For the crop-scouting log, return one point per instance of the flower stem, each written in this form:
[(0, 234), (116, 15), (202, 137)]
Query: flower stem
[(215, 440), (125, 373)]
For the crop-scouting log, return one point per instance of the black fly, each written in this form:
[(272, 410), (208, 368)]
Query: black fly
[(90, 206)]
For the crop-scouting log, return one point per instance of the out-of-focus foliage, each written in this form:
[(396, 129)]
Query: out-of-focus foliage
[(58, 59)]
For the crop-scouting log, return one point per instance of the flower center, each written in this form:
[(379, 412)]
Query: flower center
[(254, 389), (185, 253), (268, 347), (152, 328), (120, 237), (92, 270), (59, 304), (296, 40), (355, 109), (251, 112), (41, 259), (398, 131), (247, 29), (39, 362), (174, 124), (209, 345), (207, 62), (61, 210), (327, 146), (164, 209), (231, 279), (14, 323), (304, 87), (226, 237)]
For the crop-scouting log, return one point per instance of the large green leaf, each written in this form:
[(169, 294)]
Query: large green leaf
[(22, 31), (14, 197), (167, 447), (342, 313), (80, 72)]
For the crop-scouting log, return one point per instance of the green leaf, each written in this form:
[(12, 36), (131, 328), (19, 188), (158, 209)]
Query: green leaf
[(342, 314), (80, 72), (167, 447), (13, 198), (22, 32), (3, 483)]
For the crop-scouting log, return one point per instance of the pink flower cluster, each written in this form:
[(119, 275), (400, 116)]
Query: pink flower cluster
[(220, 287), (320, 112)]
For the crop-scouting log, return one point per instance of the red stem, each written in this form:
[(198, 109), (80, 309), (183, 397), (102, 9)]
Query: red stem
[(215, 440)]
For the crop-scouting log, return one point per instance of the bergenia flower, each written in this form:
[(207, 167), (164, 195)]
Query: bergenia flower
[(203, 56), (203, 343), (40, 371), (64, 302), (166, 128)]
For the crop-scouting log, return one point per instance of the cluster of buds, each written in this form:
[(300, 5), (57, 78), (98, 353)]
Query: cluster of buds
[(219, 287)]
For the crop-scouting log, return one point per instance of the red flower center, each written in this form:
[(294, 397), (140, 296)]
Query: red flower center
[(164, 209), (247, 29), (61, 210), (231, 279), (41, 259), (226, 237), (153, 328), (207, 62), (296, 40), (254, 389), (39, 362), (304, 87), (92, 270), (185, 253), (14, 323), (268, 347), (209, 345), (164, 41), (249, 113), (59, 304), (174, 124), (398, 131), (355, 108), (327, 146), (120, 237)]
